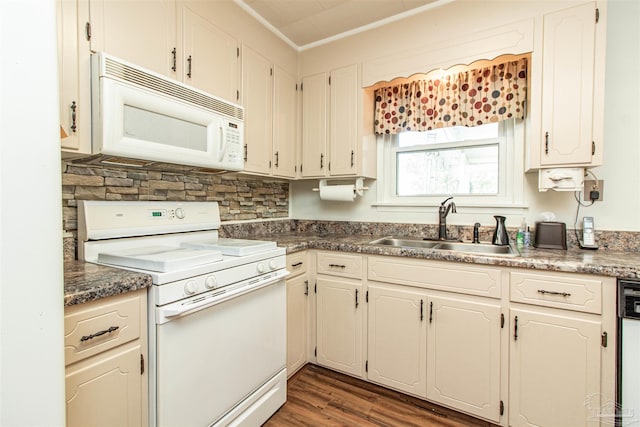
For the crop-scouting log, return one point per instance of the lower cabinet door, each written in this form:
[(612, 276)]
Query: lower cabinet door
[(340, 307), (554, 370), (397, 338), (463, 354), (297, 312), (105, 390)]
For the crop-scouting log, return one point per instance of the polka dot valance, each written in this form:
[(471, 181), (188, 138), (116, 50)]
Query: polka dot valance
[(469, 98)]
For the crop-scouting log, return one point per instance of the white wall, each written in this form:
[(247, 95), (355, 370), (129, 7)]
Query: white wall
[(620, 209), (31, 290)]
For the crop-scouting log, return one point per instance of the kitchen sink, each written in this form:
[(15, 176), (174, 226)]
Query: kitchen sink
[(456, 246), (406, 243), (477, 248)]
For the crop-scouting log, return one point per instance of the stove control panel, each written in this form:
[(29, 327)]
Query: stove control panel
[(174, 291), (98, 219)]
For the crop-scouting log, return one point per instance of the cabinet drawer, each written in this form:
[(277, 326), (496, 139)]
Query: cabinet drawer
[(297, 263), (342, 265), (97, 326), (557, 290), (450, 277)]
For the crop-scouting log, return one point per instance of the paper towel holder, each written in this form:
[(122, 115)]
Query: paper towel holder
[(359, 186)]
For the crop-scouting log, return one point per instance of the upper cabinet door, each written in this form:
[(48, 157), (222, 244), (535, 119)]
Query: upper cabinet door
[(210, 56), (568, 86), (74, 79), (141, 32), (314, 125), (257, 96), (344, 122), (284, 124)]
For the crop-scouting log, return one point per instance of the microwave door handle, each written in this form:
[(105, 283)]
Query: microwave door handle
[(223, 143)]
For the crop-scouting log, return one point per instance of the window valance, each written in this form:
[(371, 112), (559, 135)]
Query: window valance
[(469, 98)]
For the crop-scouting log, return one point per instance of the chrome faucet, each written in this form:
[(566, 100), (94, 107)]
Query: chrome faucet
[(443, 211)]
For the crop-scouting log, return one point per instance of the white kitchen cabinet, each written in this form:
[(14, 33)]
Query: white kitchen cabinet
[(344, 121), (74, 78), (340, 312), (464, 354), (170, 38), (284, 124), (141, 32), (106, 391), (314, 126), (562, 349), (397, 337), (269, 100), (297, 312), (257, 99), (445, 346), (209, 58), (332, 143), (297, 323), (105, 358), (572, 87), (509, 345), (555, 369)]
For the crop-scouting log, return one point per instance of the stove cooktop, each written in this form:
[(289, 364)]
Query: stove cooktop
[(160, 258)]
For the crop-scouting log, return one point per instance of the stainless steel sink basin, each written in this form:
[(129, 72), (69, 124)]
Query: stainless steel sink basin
[(406, 243), (478, 248)]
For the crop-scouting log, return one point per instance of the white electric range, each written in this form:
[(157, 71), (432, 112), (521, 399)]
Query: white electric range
[(217, 308)]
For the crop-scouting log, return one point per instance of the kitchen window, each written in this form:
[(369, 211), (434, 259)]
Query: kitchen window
[(481, 166)]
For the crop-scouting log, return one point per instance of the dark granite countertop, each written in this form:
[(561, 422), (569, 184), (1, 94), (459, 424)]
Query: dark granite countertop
[(85, 282), (575, 260)]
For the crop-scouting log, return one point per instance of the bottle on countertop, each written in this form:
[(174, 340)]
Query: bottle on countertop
[(527, 238), (520, 234)]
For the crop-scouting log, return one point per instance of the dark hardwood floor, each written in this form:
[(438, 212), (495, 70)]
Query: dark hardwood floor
[(320, 397)]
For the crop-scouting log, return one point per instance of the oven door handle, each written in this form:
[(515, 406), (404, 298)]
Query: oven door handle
[(172, 311)]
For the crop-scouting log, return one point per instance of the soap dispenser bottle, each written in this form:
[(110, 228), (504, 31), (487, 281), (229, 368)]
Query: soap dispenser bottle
[(500, 235)]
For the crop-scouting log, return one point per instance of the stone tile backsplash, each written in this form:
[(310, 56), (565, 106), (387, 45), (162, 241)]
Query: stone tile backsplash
[(240, 197), (261, 205)]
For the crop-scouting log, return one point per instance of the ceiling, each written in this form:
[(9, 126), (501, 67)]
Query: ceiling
[(308, 23)]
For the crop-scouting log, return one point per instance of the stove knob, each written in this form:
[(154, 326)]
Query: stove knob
[(273, 264), (262, 268), (210, 282), (179, 213), (190, 287)]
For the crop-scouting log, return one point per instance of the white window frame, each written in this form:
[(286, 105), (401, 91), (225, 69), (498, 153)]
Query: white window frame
[(510, 182)]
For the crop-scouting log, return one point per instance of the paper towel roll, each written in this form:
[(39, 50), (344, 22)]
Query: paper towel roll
[(341, 193)]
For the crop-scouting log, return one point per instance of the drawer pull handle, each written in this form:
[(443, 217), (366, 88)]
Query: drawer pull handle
[(297, 264), (337, 265), (97, 334), (564, 294)]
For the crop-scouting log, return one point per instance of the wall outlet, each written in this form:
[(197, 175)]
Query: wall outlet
[(592, 185)]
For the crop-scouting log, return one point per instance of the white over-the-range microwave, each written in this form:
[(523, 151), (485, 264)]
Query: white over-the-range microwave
[(140, 114)]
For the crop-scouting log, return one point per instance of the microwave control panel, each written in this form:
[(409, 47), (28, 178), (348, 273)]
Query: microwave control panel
[(233, 153)]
